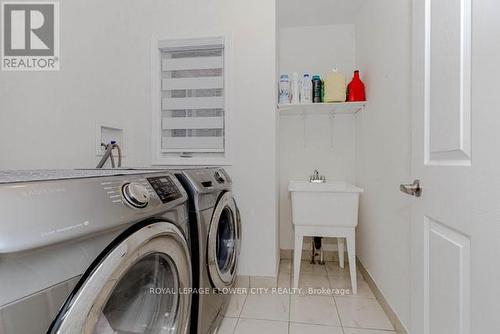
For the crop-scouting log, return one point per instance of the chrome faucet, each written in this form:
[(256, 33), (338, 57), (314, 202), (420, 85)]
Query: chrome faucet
[(316, 177), (108, 154)]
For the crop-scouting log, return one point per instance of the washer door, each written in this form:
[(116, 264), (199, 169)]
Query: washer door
[(224, 242), (133, 287)]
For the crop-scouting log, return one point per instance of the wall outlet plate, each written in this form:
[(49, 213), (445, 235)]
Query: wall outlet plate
[(105, 134)]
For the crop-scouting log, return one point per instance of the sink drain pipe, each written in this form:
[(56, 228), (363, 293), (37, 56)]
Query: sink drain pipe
[(317, 246)]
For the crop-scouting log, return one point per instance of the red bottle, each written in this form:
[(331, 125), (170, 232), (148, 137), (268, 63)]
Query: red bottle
[(356, 89)]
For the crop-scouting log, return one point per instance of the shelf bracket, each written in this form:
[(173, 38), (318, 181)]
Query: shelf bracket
[(304, 129), (332, 125), (361, 108)]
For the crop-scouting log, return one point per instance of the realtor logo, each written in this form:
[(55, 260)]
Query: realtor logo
[(30, 36)]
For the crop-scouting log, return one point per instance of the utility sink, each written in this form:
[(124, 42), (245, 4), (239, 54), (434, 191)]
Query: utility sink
[(325, 210), (324, 204)]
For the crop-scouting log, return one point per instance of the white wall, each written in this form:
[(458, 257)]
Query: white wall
[(316, 142), (317, 49), (383, 148), (48, 120), (294, 13)]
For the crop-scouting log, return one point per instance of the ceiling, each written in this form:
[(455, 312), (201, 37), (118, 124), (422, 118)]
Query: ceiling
[(292, 13)]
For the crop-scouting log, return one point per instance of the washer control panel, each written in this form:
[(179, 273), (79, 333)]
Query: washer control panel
[(165, 188)]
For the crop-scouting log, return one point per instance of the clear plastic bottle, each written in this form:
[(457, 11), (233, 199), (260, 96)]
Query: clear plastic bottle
[(284, 89), (306, 89), (295, 88)]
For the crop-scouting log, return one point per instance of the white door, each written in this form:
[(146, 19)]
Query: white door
[(456, 156)]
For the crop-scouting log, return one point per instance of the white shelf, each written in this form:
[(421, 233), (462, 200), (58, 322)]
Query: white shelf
[(340, 108)]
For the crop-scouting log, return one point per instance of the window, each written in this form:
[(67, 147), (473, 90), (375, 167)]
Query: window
[(192, 107)]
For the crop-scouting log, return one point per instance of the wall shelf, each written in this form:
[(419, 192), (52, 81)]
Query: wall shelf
[(340, 108)]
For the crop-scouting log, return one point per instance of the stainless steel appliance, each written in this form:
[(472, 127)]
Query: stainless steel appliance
[(215, 228), (94, 251)]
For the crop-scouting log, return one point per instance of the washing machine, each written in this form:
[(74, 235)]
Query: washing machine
[(215, 228), (94, 251)]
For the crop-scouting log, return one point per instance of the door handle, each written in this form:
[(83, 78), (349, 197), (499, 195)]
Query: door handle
[(413, 189)]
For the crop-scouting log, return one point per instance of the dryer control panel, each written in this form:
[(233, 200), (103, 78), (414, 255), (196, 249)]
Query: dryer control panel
[(165, 188)]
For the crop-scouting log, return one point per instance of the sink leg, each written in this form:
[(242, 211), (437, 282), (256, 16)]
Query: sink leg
[(321, 256), (340, 245), (296, 259), (351, 253), (313, 252)]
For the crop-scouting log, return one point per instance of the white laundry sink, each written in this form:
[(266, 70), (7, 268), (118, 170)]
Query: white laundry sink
[(324, 204)]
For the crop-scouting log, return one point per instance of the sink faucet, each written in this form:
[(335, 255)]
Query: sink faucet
[(316, 177)]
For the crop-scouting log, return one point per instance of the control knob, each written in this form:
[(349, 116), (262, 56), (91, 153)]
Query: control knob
[(136, 194)]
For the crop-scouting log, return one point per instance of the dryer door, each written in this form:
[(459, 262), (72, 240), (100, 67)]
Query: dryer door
[(224, 242), (135, 286)]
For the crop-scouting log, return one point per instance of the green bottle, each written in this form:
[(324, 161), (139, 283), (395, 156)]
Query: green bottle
[(322, 90), (316, 89)]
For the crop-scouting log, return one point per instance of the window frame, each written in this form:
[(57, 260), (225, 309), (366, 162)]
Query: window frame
[(198, 158)]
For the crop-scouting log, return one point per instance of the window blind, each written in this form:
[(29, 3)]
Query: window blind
[(192, 90)]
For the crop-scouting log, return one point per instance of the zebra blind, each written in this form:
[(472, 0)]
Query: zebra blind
[(192, 90)]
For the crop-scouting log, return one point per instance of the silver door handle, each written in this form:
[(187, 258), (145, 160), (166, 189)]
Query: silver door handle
[(413, 189)]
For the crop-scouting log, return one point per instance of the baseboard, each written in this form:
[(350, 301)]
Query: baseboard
[(393, 317)]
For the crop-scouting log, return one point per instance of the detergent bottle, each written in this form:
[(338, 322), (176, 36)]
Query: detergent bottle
[(356, 89), (335, 87)]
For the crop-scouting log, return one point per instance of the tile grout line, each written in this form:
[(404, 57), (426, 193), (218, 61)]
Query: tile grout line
[(289, 299), (316, 324), (336, 306), (259, 319), (334, 301), (243, 305), (338, 314), (235, 326), (372, 329)]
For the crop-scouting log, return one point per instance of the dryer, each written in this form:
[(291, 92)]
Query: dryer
[(93, 251), (215, 227)]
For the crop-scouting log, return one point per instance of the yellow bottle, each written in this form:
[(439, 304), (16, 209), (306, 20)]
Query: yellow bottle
[(335, 87)]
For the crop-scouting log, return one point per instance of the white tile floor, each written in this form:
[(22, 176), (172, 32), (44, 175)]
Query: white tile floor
[(308, 313)]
